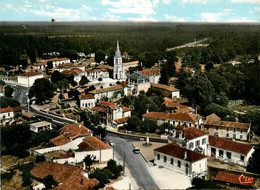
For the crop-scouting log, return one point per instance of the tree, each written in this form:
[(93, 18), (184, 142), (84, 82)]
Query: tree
[(42, 89), (84, 80), (100, 56), (198, 183), (50, 65), (8, 102), (57, 76), (133, 123), (221, 111), (101, 175), (49, 182), (88, 160), (114, 168), (254, 162), (8, 91), (149, 125)]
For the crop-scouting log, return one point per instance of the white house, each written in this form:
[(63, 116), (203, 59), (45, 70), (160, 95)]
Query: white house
[(28, 78), (177, 119), (59, 61), (168, 91), (181, 160), (229, 151), (69, 66), (75, 72), (96, 73), (40, 65), (153, 75), (102, 83), (87, 100), (228, 129), (40, 126), (8, 115), (190, 138), (111, 113), (109, 92)]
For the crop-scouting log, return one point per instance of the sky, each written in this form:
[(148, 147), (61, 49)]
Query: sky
[(131, 10)]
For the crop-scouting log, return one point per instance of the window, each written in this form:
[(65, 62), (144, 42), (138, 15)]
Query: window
[(241, 136), (229, 155), (179, 123), (221, 153), (227, 129), (191, 145), (216, 134), (172, 161), (179, 164), (165, 159), (242, 158), (169, 121), (227, 135), (173, 122), (217, 128), (8, 114), (234, 129), (158, 156), (241, 131), (204, 141), (189, 124), (234, 136), (197, 143)]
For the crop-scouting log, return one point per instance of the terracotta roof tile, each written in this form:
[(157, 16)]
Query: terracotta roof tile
[(121, 120), (192, 133), (165, 87), (175, 150), (150, 72), (107, 104), (235, 179), (227, 124), (86, 96), (40, 63), (59, 59), (176, 116), (229, 145), (130, 63), (74, 130), (10, 109), (59, 140), (93, 142), (126, 109), (213, 117), (108, 89), (31, 73), (99, 109)]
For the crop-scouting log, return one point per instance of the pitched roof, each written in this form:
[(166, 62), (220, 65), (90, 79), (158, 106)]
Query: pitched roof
[(99, 109), (108, 89), (175, 150), (71, 177), (10, 109), (121, 120), (138, 76), (40, 63), (149, 72), (86, 96), (165, 87), (235, 179), (105, 67), (59, 59), (74, 130), (130, 63), (213, 117), (93, 142), (107, 104), (126, 109), (176, 116), (68, 65), (173, 105), (227, 124), (28, 114), (229, 145), (31, 73), (192, 133), (74, 71), (97, 70), (59, 140)]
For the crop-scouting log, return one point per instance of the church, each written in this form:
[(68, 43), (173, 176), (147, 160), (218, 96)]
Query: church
[(120, 68)]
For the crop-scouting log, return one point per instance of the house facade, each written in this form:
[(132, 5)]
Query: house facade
[(152, 74), (40, 66), (59, 61), (177, 119), (96, 73), (28, 78), (40, 126), (229, 151), (75, 72), (181, 160), (168, 91), (109, 92), (87, 101), (8, 115), (228, 129)]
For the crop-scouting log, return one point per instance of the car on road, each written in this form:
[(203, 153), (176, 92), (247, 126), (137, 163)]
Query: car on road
[(111, 143), (136, 150)]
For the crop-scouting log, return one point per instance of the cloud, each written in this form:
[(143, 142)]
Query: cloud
[(245, 1), (240, 19), (42, 1), (194, 1), (175, 18), (211, 17), (8, 6), (228, 10), (111, 17), (142, 18), (143, 7), (87, 8)]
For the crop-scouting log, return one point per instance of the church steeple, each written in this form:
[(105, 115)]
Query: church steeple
[(117, 52)]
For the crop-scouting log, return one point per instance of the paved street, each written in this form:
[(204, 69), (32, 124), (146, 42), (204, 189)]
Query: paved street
[(134, 162), (20, 93)]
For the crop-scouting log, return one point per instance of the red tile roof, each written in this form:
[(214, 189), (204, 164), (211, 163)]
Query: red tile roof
[(31, 73), (97, 70), (86, 96), (165, 87), (175, 116), (122, 120), (99, 109), (126, 109), (229, 145), (73, 72), (227, 124), (213, 117), (74, 130), (59, 59), (93, 142), (40, 63), (235, 179), (108, 89), (150, 72), (59, 140), (173, 105), (10, 109), (70, 176), (175, 150), (107, 104), (130, 63), (18, 108), (192, 133)]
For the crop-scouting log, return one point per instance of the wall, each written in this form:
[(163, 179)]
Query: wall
[(7, 116), (87, 103), (101, 155), (204, 146), (176, 94), (200, 166)]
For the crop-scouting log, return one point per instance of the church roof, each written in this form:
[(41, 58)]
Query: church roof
[(117, 52), (138, 76)]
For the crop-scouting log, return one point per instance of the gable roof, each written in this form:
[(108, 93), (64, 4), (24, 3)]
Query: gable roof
[(10, 109), (138, 76), (176, 116), (112, 106), (213, 117), (149, 72), (59, 140), (59, 59), (130, 63), (71, 177), (234, 178), (175, 150), (74, 130), (192, 133), (121, 120), (40, 63), (86, 96), (93, 143), (74, 71), (165, 87), (229, 145), (31, 73), (108, 89), (227, 124)]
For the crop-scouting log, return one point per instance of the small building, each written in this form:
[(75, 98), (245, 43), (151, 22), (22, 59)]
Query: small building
[(109, 92), (228, 129), (96, 73), (59, 61), (28, 78), (130, 64), (190, 138), (87, 101), (177, 119), (181, 160), (40, 65), (75, 72), (69, 66), (229, 151), (9, 114), (177, 108), (153, 75), (168, 91), (40, 126)]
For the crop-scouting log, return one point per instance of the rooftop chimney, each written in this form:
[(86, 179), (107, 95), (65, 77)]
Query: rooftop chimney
[(185, 155)]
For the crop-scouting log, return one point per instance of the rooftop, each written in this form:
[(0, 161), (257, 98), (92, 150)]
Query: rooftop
[(165, 87), (130, 63), (31, 73), (108, 89), (59, 59), (175, 150), (176, 116), (230, 145), (138, 76), (10, 109), (150, 72), (86, 96), (93, 143), (227, 124), (40, 124), (213, 117), (192, 133)]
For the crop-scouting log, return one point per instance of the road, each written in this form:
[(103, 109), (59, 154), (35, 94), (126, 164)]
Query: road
[(134, 162), (20, 93)]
